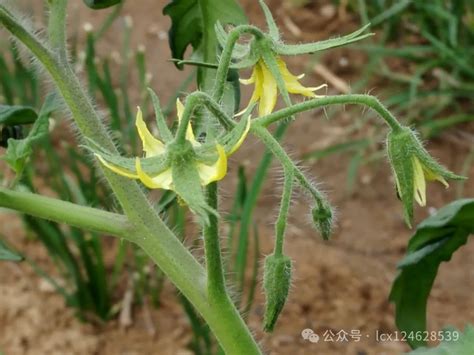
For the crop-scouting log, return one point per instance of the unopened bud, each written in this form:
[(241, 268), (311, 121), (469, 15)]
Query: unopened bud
[(323, 219), (276, 284)]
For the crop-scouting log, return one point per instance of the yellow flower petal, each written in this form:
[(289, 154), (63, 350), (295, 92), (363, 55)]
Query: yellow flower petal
[(241, 139), (215, 172), (287, 76), (189, 130), (116, 169), (151, 145), (257, 91), (292, 82), (431, 176), (250, 80), (163, 180), (269, 91), (419, 183)]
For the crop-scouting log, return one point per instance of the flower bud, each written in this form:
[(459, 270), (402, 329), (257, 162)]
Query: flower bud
[(412, 165), (323, 219), (276, 284)]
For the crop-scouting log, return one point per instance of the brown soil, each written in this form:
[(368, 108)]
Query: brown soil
[(338, 285)]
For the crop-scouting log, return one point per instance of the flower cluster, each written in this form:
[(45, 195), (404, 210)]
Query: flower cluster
[(180, 162)]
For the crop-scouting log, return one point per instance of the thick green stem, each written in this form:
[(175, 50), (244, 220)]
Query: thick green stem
[(149, 231), (57, 27), (52, 209), (170, 254), (219, 300), (365, 100), (215, 275)]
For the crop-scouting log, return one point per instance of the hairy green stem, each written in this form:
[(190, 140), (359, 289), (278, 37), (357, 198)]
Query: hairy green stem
[(262, 169), (351, 99), (52, 209), (280, 225), (193, 101), (288, 165), (148, 230), (217, 293), (226, 57), (57, 27), (171, 255), (215, 275)]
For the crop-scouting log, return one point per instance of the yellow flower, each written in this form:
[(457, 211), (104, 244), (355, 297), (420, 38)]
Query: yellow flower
[(420, 174), (155, 170), (266, 86)]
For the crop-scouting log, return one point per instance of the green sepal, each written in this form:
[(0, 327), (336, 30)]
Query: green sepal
[(322, 215), (240, 50), (163, 129), (306, 48), (230, 139), (272, 65), (429, 162), (243, 55), (400, 150), (247, 62), (272, 26), (187, 185), (151, 166), (276, 284)]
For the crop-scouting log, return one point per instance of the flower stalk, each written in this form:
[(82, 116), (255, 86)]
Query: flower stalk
[(349, 99)]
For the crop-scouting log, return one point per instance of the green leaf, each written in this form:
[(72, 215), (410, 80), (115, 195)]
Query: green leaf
[(193, 23), (458, 343), (101, 4), (193, 19), (19, 150), (186, 26), (435, 241), (17, 115), (6, 254)]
